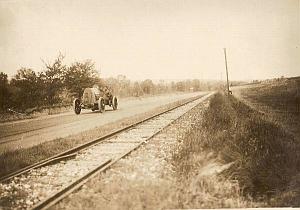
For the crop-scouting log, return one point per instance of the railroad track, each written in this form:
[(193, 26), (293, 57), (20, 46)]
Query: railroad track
[(43, 184)]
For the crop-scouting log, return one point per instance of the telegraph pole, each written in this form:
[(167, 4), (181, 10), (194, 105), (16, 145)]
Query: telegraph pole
[(228, 91)]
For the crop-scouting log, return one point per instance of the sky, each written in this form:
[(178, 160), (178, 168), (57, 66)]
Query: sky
[(155, 39)]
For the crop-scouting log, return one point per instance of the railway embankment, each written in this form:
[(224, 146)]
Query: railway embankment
[(264, 154), (220, 154), (172, 170), (46, 183)]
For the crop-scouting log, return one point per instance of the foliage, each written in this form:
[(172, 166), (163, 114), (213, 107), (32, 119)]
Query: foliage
[(58, 84), (79, 76), (147, 86), (137, 90), (53, 80), (26, 89), (4, 91)]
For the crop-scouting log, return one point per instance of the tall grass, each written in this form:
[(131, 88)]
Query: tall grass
[(264, 157)]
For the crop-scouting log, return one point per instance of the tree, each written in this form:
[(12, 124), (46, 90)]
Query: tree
[(80, 75), (53, 80), (124, 85), (4, 91), (196, 84), (147, 86), (137, 90), (120, 85), (26, 89), (160, 87), (180, 86), (113, 83)]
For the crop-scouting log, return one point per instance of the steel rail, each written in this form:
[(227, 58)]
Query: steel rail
[(89, 144), (58, 196)]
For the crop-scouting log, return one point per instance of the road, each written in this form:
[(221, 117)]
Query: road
[(27, 133)]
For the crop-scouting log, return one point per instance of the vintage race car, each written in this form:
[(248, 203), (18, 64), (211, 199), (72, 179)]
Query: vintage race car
[(95, 99)]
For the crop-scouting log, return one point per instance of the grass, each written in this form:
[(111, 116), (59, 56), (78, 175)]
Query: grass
[(280, 102), (265, 158), (15, 116), (281, 96), (11, 161), (280, 99), (137, 194)]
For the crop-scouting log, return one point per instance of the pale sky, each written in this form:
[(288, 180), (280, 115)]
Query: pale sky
[(156, 39)]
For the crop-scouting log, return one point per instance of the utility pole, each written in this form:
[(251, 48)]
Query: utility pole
[(228, 91)]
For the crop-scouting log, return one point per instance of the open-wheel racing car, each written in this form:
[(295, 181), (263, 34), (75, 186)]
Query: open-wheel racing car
[(95, 99)]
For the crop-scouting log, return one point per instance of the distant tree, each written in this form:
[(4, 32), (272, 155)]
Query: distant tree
[(161, 87), (53, 80), (180, 86), (147, 86), (120, 85), (80, 75), (188, 85), (4, 91), (173, 86), (113, 83), (26, 89), (124, 85), (137, 90), (196, 84)]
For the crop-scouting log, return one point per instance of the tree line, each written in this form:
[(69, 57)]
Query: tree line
[(58, 84)]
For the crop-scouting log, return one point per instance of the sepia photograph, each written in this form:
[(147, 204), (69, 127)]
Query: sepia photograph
[(149, 104)]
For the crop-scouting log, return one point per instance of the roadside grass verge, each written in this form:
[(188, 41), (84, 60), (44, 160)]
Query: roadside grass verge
[(264, 158), (33, 113), (11, 161)]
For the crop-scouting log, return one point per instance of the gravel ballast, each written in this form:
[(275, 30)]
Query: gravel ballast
[(136, 181), (28, 189)]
